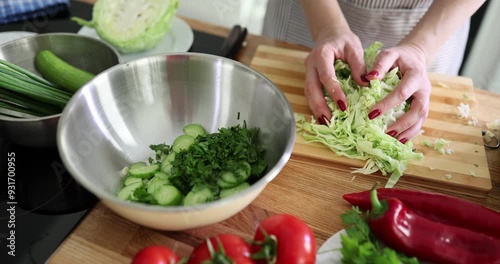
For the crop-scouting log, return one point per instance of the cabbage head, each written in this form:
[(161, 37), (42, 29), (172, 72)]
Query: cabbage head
[(131, 26)]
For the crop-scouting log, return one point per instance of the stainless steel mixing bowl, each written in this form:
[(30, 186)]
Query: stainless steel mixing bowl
[(112, 120), (87, 53)]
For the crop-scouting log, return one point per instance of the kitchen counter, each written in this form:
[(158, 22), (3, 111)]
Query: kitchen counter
[(307, 190)]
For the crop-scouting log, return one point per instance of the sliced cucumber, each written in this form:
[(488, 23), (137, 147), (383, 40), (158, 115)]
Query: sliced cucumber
[(228, 192), (145, 171), (194, 130), (155, 184), (127, 191), (229, 177), (198, 196), (182, 142), (240, 175), (166, 164), (130, 180), (224, 184), (158, 180), (138, 165), (161, 176), (168, 195), (244, 171)]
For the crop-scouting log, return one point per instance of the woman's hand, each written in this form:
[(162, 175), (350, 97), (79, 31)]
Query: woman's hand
[(320, 71), (414, 83)]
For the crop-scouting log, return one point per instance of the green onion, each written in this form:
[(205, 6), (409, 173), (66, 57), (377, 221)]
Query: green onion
[(27, 73), (29, 93), (9, 115), (41, 108), (30, 80), (17, 108)]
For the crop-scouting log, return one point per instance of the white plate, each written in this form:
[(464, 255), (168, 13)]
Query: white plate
[(178, 39), (329, 252), (8, 36)]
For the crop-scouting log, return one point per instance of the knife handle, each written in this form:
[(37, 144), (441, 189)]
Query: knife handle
[(233, 42)]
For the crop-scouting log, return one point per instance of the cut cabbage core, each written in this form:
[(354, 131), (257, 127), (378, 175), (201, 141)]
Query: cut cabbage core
[(132, 26)]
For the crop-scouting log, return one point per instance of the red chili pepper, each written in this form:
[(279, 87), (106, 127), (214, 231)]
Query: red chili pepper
[(403, 230), (437, 207)]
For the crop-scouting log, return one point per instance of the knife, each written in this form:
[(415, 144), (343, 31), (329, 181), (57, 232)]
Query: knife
[(233, 42)]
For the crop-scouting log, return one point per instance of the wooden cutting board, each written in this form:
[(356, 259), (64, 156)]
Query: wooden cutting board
[(464, 171)]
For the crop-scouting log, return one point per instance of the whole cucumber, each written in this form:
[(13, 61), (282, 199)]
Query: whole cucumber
[(61, 73)]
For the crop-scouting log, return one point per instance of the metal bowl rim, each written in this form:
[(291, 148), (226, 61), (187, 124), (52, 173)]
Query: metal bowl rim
[(41, 118), (103, 195)]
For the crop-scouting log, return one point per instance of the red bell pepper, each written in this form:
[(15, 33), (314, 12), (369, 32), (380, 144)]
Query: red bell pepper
[(437, 207), (401, 229)]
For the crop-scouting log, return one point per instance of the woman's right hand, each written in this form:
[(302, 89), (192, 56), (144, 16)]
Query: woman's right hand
[(320, 71)]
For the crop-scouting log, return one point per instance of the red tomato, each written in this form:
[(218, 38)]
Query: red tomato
[(233, 248), (155, 255), (290, 239)]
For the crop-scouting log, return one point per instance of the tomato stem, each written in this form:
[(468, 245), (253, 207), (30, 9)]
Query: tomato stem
[(268, 248), (183, 260), (217, 257)]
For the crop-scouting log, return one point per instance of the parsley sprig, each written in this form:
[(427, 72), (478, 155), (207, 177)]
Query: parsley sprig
[(361, 246)]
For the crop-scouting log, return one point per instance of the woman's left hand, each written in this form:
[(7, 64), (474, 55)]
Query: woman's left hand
[(410, 59)]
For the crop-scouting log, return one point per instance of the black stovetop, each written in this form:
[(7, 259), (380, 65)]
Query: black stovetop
[(47, 203), (41, 206)]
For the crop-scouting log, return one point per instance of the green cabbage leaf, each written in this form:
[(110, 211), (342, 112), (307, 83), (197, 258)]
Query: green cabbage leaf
[(131, 26), (352, 134)]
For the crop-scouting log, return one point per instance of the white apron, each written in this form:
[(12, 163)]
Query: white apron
[(387, 21)]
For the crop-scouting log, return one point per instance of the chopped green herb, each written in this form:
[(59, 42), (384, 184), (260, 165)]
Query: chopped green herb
[(360, 245), (212, 153), (204, 167)]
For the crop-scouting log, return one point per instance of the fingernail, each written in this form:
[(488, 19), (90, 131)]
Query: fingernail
[(363, 78), (323, 120), (374, 114), (341, 105), (373, 73), (392, 133), (403, 140)]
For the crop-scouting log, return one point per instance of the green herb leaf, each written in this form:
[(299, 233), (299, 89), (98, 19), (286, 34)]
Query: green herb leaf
[(141, 195), (360, 245), (213, 153)]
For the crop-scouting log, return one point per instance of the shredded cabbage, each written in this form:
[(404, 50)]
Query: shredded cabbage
[(494, 125), (439, 145), (463, 111), (131, 26), (352, 134), (488, 136)]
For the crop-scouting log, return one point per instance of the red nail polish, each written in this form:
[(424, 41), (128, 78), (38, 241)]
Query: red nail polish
[(392, 133), (323, 120), (374, 114), (373, 73), (341, 105), (403, 140), (364, 79)]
